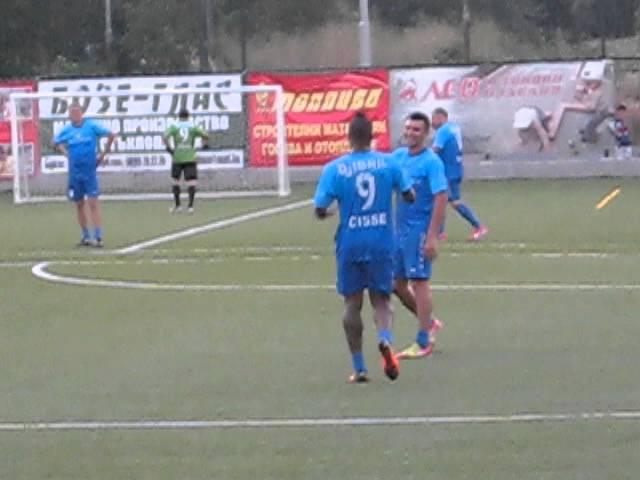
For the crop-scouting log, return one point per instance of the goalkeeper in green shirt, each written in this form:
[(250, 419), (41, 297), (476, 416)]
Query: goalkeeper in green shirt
[(180, 140)]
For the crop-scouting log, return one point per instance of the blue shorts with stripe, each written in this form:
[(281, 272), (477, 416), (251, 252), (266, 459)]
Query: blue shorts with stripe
[(409, 262), (81, 186)]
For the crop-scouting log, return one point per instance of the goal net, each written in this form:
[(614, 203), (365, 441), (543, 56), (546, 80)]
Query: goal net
[(138, 167)]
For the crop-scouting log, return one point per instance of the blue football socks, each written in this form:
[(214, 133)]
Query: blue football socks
[(422, 338), (358, 362), (468, 215), (385, 336)]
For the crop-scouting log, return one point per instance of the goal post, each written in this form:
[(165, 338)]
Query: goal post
[(138, 167)]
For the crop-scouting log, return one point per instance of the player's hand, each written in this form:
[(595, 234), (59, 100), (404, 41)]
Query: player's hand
[(430, 250)]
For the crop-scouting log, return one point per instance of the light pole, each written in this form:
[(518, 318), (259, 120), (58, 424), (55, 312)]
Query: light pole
[(108, 31), (364, 30), (466, 26)]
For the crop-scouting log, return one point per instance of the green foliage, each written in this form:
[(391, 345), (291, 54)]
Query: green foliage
[(163, 35)]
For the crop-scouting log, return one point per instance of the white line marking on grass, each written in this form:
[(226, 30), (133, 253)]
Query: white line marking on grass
[(319, 422), (40, 255), (41, 271), (16, 264), (217, 225)]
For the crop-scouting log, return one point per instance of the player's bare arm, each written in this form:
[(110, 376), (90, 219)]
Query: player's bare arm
[(437, 218), (61, 148), (409, 196), (322, 213), (167, 143), (107, 149)]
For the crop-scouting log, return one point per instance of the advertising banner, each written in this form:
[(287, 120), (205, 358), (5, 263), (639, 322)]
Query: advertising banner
[(140, 120), (532, 108), (27, 125), (318, 108)]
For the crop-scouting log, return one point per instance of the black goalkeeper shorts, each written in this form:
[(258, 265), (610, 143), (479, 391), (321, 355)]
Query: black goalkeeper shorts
[(190, 170)]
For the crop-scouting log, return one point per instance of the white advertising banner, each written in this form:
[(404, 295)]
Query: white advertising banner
[(139, 120), (511, 108)]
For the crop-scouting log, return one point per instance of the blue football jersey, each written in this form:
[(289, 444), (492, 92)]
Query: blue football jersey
[(363, 184), (426, 172), (82, 145), (449, 140)]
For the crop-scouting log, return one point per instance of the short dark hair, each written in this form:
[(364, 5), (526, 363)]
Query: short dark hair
[(360, 129), (621, 108), (420, 117), (183, 114), (441, 111)]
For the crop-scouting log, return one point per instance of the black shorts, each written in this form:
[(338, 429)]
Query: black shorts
[(190, 170)]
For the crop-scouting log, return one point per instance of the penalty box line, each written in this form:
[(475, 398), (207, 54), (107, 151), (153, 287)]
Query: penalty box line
[(217, 225)]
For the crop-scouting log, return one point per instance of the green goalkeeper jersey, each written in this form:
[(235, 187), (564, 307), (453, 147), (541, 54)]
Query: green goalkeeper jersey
[(184, 135)]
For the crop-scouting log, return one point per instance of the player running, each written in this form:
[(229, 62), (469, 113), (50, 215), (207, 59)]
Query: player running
[(78, 141), (363, 182), (417, 227), (448, 145), (180, 139)]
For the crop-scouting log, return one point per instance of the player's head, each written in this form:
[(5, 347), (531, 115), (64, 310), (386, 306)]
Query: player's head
[(621, 110), (360, 132), (439, 117), (416, 130), (183, 114), (75, 113)]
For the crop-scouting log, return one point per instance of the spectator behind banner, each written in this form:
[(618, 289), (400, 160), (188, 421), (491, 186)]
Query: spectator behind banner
[(620, 130), (591, 98)]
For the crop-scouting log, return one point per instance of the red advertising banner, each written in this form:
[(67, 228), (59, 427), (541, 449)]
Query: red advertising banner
[(29, 127), (318, 108)]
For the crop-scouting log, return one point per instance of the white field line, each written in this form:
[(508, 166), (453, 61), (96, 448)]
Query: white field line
[(270, 250), (217, 225), (41, 271), (263, 254), (16, 264), (319, 422), (265, 249)]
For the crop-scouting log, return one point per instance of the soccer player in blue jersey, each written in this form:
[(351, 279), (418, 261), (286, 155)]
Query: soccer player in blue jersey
[(78, 141), (362, 182), (417, 227), (448, 145)]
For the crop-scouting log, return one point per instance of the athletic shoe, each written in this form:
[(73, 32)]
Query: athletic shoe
[(390, 364), (358, 377), (84, 242), (415, 351), (436, 326), (190, 210), (478, 233), (443, 237), (98, 243), (175, 209)]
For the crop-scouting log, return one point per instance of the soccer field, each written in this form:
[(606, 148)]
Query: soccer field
[(221, 355)]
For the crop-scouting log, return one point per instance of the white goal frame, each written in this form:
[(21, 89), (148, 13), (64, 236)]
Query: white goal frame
[(283, 186)]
